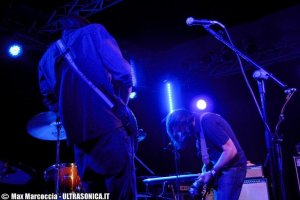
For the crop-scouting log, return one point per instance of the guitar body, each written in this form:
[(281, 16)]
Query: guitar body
[(127, 118), (199, 190), (125, 114)]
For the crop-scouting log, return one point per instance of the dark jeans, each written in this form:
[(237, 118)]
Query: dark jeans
[(107, 165), (229, 183)]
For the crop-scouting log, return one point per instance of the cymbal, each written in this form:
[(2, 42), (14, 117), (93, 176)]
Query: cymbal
[(44, 126), (15, 174)]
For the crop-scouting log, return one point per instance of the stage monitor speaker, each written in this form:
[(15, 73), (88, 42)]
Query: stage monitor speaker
[(255, 189)]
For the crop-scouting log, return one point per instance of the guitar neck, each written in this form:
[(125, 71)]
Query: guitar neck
[(171, 179)]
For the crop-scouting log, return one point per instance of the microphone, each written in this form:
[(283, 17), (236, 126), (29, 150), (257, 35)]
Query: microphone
[(204, 22), (290, 90), (260, 74)]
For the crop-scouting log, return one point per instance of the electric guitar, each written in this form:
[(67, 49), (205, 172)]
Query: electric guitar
[(129, 121), (199, 190)]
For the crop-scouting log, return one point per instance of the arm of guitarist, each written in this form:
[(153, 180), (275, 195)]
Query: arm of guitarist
[(229, 151)]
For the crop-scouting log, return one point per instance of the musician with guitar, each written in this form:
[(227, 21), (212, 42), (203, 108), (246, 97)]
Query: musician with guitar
[(224, 160), (84, 78)]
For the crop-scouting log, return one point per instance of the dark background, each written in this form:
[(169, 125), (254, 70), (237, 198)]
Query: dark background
[(154, 36)]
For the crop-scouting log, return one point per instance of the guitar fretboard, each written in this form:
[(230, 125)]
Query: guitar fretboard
[(170, 179)]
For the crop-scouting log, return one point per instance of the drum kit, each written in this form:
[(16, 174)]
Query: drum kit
[(60, 177)]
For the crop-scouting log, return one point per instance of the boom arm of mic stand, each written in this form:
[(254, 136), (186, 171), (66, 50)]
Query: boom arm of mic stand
[(220, 38)]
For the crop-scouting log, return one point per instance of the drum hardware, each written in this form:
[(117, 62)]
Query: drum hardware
[(63, 178), (47, 126)]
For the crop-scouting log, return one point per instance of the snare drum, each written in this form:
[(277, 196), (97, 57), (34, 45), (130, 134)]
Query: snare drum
[(68, 178)]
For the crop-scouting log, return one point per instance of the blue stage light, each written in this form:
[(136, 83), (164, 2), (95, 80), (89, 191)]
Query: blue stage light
[(170, 97), (15, 50), (201, 104), (132, 95)]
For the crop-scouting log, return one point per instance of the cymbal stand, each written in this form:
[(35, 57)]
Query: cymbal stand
[(58, 128)]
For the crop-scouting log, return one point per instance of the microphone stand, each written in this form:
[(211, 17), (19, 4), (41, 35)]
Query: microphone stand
[(176, 159), (271, 140), (220, 38), (260, 77)]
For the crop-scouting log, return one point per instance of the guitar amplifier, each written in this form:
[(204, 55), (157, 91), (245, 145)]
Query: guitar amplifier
[(255, 189), (297, 168), (255, 171), (184, 192)]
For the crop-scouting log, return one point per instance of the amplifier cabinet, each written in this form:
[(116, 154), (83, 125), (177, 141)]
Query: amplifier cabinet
[(255, 171), (297, 168), (255, 189)]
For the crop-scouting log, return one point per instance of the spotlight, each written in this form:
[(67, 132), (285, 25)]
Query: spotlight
[(15, 50), (201, 104)]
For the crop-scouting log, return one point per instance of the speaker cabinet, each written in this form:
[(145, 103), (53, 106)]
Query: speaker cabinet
[(297, 168), (255, 171), (255, 189)]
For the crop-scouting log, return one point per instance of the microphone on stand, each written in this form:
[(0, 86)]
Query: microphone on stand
[(260, 74), (290, 90), (190, 21)]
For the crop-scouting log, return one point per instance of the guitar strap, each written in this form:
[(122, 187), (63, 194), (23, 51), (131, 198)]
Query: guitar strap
[(63, 50), (204, 154), (121, 111)]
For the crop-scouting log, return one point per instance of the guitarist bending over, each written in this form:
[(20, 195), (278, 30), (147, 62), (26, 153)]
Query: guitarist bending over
[(223, 158)]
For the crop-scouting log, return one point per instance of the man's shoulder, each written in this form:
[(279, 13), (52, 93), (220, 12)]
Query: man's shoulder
[(209, 116), (95, 26)]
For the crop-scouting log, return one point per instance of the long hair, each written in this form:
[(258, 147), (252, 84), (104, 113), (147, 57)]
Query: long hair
[(175, 119)]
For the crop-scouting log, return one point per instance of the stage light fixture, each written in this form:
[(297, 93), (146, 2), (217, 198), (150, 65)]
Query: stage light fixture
[(170, 96), (201, 104), (134, 81), (15, 50), (132, 95)]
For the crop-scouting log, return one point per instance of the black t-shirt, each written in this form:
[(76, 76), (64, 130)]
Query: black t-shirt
[(217, 131)]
